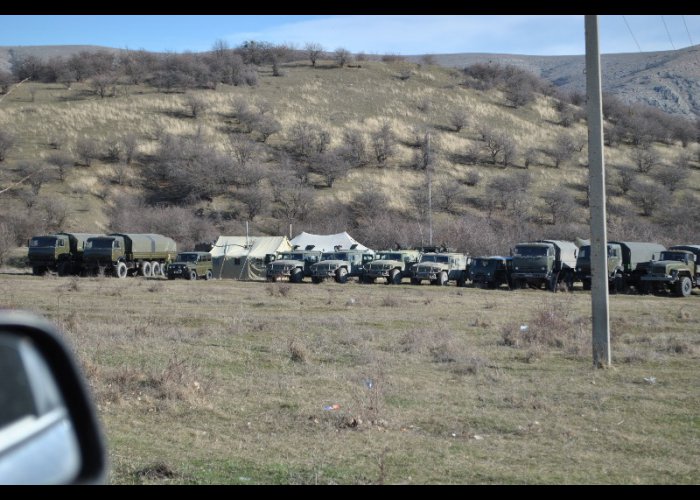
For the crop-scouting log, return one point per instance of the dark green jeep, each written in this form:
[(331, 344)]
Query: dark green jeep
[(191, 265)]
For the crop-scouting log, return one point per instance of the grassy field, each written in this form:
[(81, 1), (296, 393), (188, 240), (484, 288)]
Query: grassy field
[(226, 382)]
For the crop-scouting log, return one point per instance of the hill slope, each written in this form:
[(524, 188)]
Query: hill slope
[(669, 80)]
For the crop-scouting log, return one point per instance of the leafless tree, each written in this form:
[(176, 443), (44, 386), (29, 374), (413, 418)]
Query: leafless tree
[(195, 104), (307, 139), (625, 179), (102, 83), (383, 143), (448, 194), (563, 149), (330, 165), (243, 149), (7, 140), (256, 199), (648, 197), (645, 157), (63, 163), (558, 204), (85, 151), (342, 56), (354, 148), (314, 51), (671, 176), (459, 119)]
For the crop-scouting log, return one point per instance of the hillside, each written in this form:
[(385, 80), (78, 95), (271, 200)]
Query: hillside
[(194, 173), (669, 80)]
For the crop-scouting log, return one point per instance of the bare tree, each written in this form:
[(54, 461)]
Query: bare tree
[(307, 139), (645, 157), (243, 149), (383, 143), (558, 204), (85, 151), (294, 201), (342, 56), (129, 143), (563, 149), (195, 104), (671, 176), (354, 148), (330, 165), (448, 194), (494, 143), (256, 200), (314, 51), (625, 179), (265, 126), (36, 175), (63, 163), (7, 140), (459, 119), (101, 84), (648, 197)]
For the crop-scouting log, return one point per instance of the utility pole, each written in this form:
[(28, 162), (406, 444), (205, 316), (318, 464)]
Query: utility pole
[(428, 162), (596, 166)]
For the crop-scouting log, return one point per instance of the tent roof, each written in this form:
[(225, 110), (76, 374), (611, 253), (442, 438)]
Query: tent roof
[(326, 242), (255, 246)]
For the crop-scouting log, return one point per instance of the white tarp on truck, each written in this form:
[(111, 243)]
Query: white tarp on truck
[(326, 242), (243, 257)]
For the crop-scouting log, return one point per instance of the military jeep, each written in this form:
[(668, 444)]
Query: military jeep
[(293, 265), (191, 265), (341, 265), (392, 265), (440, 268)]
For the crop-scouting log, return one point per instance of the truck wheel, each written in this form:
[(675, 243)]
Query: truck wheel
[(193, 275), (146, 269), (684, 287), (209, 275), (394, 277), (341, 275), (155, 269), (297, 275), (441, 279), (120, 270)]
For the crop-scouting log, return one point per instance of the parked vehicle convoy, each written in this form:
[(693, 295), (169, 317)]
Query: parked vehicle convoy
[(126, 254), (440, 268), (190, 266), (294, 265), (676, 271), (392, 265), (544, 262), (61, 253), (624, 259), (491, 272), (341, 265)]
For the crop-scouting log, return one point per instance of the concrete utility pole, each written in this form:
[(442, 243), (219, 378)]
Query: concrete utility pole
[(596, 166), (428, 162)]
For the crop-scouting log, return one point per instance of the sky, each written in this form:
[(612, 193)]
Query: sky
[(372, 34)]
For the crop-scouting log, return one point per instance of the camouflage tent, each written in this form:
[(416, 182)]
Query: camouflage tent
[(326, 242), (244, 257)]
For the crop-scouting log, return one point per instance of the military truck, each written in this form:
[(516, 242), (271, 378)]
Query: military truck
[(624, 258), (60, 252), (294, 265), (122, 254), (341, 265), (392, 265), (190, 265), (491, 272), (440, 268), (544, 262), (676, 271)]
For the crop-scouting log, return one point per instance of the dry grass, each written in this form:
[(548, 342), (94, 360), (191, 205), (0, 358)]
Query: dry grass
[(230, 385)]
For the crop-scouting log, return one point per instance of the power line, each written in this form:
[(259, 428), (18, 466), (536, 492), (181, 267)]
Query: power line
[(668, 33), (630, 30), (687, 31)]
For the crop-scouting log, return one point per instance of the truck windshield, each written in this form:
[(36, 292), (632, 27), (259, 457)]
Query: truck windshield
[(527, 251), (99, 243), (187, 257), (673, 256), (43, 241), (435, 258), (292, 256), (389, 256)]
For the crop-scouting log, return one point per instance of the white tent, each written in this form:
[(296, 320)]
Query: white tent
[(243, 258), (326, 242)]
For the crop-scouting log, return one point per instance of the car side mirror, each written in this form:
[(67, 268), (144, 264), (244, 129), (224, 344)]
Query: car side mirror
[(49, 433)]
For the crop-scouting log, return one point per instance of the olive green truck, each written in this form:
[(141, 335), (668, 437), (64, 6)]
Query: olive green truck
[(676, 271), (61, 253), (128, 254)]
